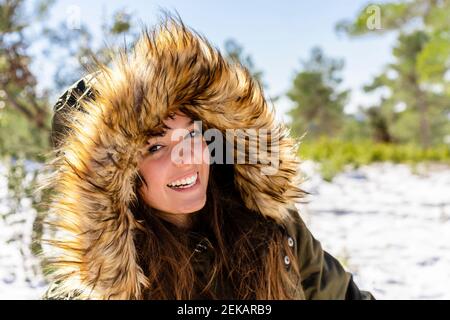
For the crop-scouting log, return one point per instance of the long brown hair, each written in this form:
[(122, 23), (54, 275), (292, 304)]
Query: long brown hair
[(248, 250)]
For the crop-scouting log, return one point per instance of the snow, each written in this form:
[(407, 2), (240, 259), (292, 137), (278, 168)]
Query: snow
[(388, 226), (20, 276)]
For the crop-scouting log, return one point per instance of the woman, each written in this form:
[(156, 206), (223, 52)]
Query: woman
[(144, 208)]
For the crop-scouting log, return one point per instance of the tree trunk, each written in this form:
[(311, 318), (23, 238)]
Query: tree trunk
[(425, 132)]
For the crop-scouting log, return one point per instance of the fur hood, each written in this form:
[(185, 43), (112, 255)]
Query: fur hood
[(96, 162)]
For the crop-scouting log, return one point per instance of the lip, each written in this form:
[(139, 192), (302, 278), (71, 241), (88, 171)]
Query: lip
[(185, 176), (195, 186)]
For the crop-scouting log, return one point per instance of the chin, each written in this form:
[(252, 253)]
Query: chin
[(192, 209)]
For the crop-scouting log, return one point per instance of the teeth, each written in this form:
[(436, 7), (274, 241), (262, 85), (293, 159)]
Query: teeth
[(187, 181)]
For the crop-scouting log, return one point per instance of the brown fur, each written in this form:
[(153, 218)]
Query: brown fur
[(170, 66)]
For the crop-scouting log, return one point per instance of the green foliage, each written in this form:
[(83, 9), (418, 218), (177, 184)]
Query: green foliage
[(77, 46), (433, 60), (318, 101), (429, 16), (122, 23), (234, 53), (19, 138), (25, 114), (334, 155), (354, 129), (421, 61), (393, 16)]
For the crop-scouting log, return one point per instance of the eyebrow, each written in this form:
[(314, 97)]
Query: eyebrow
[(161, 132)]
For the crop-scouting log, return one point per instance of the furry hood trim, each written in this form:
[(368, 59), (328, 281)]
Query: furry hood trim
[(96, 164)]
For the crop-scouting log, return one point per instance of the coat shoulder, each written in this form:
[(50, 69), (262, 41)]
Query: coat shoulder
[(322, 275)]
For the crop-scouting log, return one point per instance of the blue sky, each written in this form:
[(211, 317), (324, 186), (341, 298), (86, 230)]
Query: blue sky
[(277, 34)]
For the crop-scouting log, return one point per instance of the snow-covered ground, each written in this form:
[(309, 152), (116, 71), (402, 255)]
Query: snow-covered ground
[(20, 276), (388, 226)]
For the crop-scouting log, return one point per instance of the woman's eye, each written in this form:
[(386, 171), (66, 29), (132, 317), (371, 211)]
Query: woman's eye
[(154, 148)]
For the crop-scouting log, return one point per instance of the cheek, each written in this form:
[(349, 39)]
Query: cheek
[(206, 159), (152, 175), (206, 162)]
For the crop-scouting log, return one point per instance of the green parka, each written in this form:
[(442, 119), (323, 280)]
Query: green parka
[(99, 126)]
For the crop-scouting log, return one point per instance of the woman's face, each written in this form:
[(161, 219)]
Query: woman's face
[(175, 167)]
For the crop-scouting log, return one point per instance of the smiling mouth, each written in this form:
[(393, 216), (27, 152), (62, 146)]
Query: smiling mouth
[(185, 185)]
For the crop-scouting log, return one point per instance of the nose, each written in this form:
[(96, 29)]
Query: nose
[(179, 158), (184, 153)]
